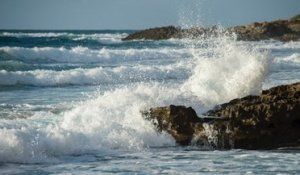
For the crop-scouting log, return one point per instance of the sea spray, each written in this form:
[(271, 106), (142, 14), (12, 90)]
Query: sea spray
[(226, 70), (209, 72), (107, 122)]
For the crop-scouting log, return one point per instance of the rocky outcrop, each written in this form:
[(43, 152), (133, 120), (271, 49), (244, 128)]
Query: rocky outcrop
[(284, 30), (179, 121), (155, 33), (268, 121), (168, 32)]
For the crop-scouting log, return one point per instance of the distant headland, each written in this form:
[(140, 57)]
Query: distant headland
[(283, 30)]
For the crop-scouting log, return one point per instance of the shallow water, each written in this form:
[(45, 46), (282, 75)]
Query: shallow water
[(168, 160), (70, 101)]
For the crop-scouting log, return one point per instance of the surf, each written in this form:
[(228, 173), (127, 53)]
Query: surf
[(200, 74)]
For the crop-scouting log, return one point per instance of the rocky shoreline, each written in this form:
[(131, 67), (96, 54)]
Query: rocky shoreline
[(268, 121), (283, 30)]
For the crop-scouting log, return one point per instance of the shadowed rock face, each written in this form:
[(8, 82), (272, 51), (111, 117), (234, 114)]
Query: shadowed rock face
[(179, 121), (268, 121), (155, 33), (284, 30)]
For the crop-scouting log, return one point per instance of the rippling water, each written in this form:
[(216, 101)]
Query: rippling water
[(70, 101)]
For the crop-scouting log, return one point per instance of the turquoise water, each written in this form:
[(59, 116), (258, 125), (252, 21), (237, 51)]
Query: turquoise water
[(70, 101)]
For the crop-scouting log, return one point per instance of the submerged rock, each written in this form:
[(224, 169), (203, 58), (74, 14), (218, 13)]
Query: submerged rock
[(268, 121), (284, 30)]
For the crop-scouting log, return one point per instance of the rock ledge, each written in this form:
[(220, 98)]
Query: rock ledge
[(268, 121)]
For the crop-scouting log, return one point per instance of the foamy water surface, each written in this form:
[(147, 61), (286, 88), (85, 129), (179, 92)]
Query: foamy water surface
[(70, 102)]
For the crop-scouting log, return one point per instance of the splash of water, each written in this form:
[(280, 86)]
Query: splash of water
[(225, 70), (221, 70)]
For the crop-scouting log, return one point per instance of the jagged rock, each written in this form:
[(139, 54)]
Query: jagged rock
[(184, 125), (178, 121), (284, 30), (268, 121)]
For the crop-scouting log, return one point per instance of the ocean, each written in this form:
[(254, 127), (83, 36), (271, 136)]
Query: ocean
[(71, 101)]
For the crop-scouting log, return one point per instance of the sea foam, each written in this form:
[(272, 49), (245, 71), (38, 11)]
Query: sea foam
[(108, 121), (102, 37), (95, 76), (111, 120), (85, 55)]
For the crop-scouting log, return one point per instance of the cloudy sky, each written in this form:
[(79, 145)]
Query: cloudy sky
[(139, 14)]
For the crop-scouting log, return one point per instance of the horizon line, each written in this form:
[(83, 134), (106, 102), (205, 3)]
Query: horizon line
[(3, 29)]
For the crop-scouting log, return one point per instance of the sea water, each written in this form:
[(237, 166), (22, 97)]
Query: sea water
[(71, 101)]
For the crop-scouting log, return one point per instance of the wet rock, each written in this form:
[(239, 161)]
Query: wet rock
[(178, 121), (268, 121), (183, 124)]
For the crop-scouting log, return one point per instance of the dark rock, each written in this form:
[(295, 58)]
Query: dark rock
[(178, 121), (268, 121), (154, 33), (284, 30), (295, 18)]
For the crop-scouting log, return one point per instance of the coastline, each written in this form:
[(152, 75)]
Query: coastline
[(283, 30)]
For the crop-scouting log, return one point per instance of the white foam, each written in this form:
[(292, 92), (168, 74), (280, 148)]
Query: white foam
[(293, 60), (101, 37), (85, 55), (94, 76), (37, 34), (112, 120), (227, 71), (106, 38), (274, 45)]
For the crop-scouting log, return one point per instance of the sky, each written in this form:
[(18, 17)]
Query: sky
[(139, 14)]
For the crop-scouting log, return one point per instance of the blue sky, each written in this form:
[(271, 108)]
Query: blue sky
[(139, 14)]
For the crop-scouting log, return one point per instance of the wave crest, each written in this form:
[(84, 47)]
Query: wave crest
[(94, 76), (85, 55)]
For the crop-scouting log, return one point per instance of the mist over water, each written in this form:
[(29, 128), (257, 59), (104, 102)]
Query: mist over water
[(79, 99)]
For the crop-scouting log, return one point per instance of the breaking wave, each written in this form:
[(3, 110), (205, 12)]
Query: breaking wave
[(217, 70), (95, 76), (102, 37), (85, 55)]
